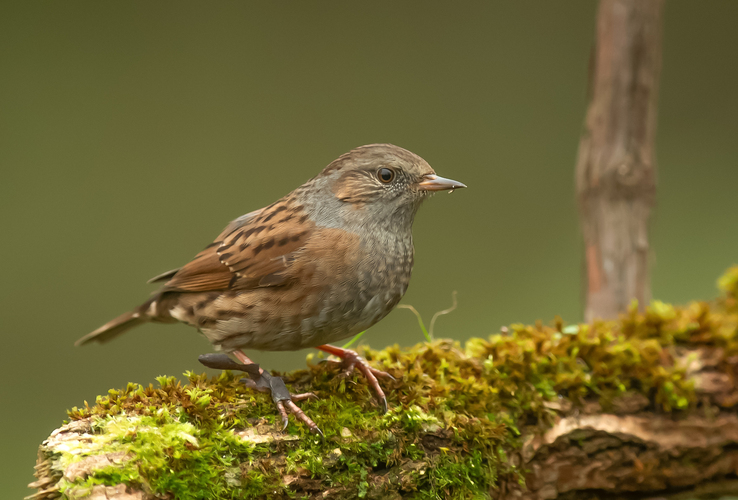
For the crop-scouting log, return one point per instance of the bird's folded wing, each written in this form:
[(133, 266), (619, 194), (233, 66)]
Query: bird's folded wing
[(253, 251)]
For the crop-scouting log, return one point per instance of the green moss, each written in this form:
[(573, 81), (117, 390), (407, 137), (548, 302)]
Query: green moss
[(728, 283), (171, 456), (449, 476), (456, 412)]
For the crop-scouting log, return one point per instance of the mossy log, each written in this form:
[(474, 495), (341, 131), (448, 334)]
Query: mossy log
[(643, 406)]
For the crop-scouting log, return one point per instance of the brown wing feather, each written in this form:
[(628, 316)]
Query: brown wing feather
[(253, 251)]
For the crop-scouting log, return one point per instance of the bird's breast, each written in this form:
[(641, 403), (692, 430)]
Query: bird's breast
[(361, 288), (338, 285)]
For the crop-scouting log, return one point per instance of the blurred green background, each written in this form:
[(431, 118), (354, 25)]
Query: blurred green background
[(132, 132)]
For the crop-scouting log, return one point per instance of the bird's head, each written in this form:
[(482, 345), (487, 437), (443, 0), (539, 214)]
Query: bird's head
[(384, 179)]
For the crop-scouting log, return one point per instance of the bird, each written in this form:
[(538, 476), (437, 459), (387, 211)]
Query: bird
[(322, 264)]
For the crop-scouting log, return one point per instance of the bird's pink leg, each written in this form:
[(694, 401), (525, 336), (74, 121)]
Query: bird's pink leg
[(241, 356), (351, 361)]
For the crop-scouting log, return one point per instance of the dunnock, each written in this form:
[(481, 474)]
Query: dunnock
[(323, 263)]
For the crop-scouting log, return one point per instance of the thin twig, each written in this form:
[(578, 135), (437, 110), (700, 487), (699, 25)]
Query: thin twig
[(441, 313), (420, 321)]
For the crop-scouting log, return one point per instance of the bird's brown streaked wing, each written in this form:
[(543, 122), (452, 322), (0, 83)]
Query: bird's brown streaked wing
[(163, 276), (240, 222), (204, 272), (252, 252)]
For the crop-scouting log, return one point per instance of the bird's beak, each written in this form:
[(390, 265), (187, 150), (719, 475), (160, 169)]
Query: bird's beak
[(433, 182)]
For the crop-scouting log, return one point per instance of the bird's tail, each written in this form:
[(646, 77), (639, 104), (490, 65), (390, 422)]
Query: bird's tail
[(119, 325)]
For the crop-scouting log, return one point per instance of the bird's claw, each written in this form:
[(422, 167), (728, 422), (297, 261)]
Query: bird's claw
[(262, 381), (283, 400), (352, 361)]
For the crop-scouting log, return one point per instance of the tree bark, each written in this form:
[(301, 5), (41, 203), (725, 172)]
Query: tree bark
[(641, 407), (616, 166), (628, 452)]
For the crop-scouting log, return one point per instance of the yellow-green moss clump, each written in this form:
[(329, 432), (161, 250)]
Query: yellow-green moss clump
[(456, 419)]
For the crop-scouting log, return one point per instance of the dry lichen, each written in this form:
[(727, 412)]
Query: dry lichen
[(455, 424)]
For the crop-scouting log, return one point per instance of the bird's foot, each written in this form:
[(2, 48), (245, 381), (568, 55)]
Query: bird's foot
[(283, 400), (264, 382), (351, 361)]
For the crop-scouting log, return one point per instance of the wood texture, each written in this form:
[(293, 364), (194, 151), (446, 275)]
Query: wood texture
[(616, 166), (628, 452)]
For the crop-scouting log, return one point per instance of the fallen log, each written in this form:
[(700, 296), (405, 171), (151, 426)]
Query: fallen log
[(644, 406)]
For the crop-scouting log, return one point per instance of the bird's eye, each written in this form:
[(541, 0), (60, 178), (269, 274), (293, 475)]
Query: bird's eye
[(385, 175)]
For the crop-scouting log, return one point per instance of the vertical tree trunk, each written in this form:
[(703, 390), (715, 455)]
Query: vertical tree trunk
[(616, 166)]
